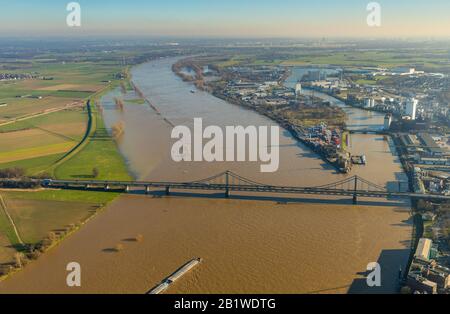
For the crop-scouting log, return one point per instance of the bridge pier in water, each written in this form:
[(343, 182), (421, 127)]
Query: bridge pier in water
[(355, 200), (227, 182), (167, 190), (147, 189)]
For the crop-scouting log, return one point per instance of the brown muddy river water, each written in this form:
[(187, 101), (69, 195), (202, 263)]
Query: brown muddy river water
[(249, 243)]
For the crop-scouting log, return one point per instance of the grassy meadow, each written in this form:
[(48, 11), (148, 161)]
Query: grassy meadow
[(36, 213), (100, 152)]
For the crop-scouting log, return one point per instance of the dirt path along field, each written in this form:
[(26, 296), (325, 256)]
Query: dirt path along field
[(5, 209)]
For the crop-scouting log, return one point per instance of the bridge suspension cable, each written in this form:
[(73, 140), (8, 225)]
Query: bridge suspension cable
[(348, 184)]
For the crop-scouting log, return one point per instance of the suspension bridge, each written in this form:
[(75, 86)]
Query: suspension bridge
[(228, 182)]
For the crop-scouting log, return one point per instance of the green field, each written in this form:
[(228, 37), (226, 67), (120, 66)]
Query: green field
[(136, 101), (41, 144), (7, 229), (433, 60), (35, 144), (37, 213), (100, 152), (374, 81), (34, 165), (67, 123), (38, 144), (58, 84), (21, 107)]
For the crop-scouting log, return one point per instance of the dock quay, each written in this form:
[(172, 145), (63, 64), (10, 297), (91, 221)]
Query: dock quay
[(359, 160), (319, 139), (166, 283)]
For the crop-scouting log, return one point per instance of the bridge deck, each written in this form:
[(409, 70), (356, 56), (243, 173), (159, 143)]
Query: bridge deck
[(240, 188), (228, 181)]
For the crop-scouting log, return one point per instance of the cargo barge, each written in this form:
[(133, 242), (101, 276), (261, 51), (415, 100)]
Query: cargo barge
[(165, 284)]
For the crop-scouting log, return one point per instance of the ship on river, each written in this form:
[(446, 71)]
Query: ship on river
[(326, 143)]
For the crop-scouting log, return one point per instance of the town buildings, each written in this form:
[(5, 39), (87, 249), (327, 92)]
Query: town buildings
[(425, 275)]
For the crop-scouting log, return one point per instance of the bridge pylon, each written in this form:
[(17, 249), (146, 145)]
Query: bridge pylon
[(227, 184), (355, 197)]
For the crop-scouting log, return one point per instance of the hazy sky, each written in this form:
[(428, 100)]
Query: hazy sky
[(230, 18)]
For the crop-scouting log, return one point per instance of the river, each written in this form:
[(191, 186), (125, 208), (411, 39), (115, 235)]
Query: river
[(249, 244)]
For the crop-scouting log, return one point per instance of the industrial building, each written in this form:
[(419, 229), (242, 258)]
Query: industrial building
[(430, 145), (423, 249), (411, 108), (422, 285), (369, 103)]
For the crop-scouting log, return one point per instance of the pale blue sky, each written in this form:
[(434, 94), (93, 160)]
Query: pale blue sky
[(230, 18)]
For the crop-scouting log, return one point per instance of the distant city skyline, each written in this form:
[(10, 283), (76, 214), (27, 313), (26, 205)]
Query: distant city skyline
[(231, 18)]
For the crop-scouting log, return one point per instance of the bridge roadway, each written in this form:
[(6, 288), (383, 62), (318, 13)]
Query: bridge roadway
[(228, 187), (368, 131)]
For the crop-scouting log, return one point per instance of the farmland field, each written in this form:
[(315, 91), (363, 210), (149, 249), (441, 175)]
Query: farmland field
[(436, 61), (37, 213), (35, 218), (39, 137), (38, 129), (66, 122), (54, 85), (6, 251), (20, 107)]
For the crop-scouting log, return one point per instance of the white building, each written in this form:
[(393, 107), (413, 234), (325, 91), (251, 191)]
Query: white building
[(369, 103), (411, 108), (387, 121), (298, 89), (403, 71)]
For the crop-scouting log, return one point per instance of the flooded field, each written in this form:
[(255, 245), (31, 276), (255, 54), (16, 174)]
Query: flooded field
[(249, 244)]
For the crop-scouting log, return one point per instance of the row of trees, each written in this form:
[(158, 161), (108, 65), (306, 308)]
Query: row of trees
[(119, 103), (9, 178), (12, 173), (20, 173), (118, 129)]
